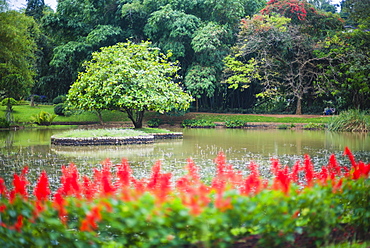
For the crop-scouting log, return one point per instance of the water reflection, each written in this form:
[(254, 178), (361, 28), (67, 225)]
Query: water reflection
[(32, 148)]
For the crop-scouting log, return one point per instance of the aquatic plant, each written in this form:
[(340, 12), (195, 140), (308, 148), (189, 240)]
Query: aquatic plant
[(234, 123), (198, 123), (114, 209), (353, 120)]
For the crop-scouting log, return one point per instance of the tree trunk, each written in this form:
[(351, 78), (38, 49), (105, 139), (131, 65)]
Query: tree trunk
[(100, 117), (32, 103), (299, 106), (136, 117)]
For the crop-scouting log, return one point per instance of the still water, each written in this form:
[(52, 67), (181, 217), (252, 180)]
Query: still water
[(241, 146)]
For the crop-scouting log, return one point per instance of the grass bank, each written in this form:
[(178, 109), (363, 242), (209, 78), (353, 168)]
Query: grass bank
[(23, 113)]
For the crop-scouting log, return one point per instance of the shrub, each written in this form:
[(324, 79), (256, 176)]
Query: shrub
[(118, 210), (155, 122), (43, 118), (4, 123), (314, 126), (198, 123), (59, 99), (352, 120), (234, 123), (10, 100), (59, 109), (282, 126)]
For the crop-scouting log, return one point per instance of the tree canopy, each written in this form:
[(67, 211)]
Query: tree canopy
[(18, 35), (129, 77)]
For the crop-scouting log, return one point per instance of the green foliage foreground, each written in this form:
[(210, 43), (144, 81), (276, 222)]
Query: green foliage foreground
[(298, 207)]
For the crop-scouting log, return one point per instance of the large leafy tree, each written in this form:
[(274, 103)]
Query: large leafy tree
[(356, 11), (129, 77), (77, 29), (17, 54), (279, 55), (347, 67)]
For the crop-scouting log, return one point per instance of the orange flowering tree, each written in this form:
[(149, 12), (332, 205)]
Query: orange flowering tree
[(116, 209)]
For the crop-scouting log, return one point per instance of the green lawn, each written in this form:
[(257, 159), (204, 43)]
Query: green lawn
[(22, 114), (260, 118)]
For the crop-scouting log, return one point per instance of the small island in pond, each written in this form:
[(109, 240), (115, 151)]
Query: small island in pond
[(125, 136)]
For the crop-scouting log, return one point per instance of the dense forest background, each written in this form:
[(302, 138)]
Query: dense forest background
[(242, 56)]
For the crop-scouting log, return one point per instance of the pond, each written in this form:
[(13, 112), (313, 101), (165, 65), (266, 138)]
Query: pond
[(31, 147)]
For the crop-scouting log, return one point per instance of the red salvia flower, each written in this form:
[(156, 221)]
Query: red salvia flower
[(253, 184), (124, 174), (337, 185), (282, 180), (59, 204), (70, 181), (42, 191), (309, 170), (20, 185), (192, 171), (156, 170), (323, 175), (223, 204), (107, 187), (19, 224), (89, 223), (88, 188), (295, 172), (3, 189), (2, 208), (348, 152), (333, 167)]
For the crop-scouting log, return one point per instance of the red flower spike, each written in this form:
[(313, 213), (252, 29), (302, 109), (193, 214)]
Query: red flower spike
[(154, 176), (70, 181), (223, 204), (124, 174), (252, 184), (337, 186), (42, 191), (324, 175), (19, 224), (107, 187), (193, 171), (348, 152), (3, 189), (2, 208), (308, 168), (88, 188), (295, 172), (59, 204), (282, 180), (333, 167), (20, 185), (89, 223)]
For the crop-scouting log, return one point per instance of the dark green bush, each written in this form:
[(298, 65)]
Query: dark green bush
[(59, 99), (155, 122), (4, 123), (198, 123), (59, 109)]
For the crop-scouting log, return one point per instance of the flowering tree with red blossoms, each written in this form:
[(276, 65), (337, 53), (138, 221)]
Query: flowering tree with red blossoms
[(117, 209)]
